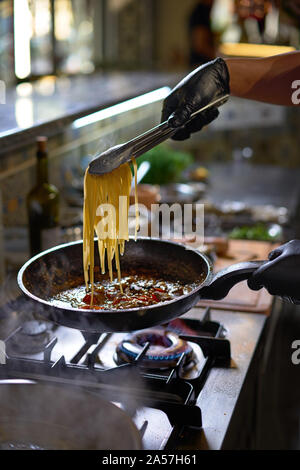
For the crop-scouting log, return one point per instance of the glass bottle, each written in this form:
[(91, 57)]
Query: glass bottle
[(43, 206)]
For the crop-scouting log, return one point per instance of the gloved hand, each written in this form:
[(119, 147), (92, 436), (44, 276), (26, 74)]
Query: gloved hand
[(281, 275), (202, 86)]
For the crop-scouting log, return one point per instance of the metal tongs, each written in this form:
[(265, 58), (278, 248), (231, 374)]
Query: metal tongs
[(115, 156)]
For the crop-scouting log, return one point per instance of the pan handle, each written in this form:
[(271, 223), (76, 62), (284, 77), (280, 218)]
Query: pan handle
[(224, 280)]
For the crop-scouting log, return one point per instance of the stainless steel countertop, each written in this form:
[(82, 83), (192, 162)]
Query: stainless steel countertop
[(227, 396), (51, 103), (254, 184)]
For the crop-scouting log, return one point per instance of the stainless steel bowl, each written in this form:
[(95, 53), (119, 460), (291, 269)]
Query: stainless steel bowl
[(181, 193)]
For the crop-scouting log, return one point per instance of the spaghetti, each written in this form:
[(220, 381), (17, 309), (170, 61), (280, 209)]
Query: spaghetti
[(105, 213)]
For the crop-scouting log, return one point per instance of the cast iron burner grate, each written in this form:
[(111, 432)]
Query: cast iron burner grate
[(30, 338), (130, 384)]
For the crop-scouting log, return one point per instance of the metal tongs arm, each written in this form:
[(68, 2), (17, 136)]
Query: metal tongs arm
[(119, 154)]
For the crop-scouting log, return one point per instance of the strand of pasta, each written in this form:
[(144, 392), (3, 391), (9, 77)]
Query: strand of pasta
[(137, 223)]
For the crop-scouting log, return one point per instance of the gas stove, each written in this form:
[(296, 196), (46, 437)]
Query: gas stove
[(159, 376)]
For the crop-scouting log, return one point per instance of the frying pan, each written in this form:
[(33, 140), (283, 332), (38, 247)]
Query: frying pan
[(54, 270), (39, 416)]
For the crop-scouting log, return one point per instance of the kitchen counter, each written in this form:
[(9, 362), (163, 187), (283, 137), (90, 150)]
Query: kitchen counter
[(254, 184), (51, 103), (231, 394), (240, 297)]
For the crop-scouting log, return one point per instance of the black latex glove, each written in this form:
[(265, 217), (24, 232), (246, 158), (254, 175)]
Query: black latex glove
[(202, 86), (281, 275)]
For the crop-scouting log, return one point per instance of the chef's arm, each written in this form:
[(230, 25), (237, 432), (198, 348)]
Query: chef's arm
[(268, 79), (273, 79)]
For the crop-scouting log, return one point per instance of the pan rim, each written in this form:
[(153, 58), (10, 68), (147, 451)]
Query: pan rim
[(85, 311)]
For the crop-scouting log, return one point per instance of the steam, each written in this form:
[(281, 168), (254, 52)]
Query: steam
[(9, 316), (55, 417), (74, 417), (103, 429), (104, 144)]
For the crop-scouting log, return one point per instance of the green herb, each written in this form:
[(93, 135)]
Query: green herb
[(256, 232), (167, 164)]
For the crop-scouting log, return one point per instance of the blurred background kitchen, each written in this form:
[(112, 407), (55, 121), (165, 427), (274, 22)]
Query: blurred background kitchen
[(64, 60), (89, 74)]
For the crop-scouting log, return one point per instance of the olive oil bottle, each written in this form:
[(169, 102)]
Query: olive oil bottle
[(43, 205)]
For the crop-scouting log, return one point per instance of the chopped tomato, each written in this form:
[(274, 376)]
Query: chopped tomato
[(87, 299), (120, 299), (92, 307)]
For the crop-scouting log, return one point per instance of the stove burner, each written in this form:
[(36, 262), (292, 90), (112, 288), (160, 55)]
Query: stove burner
[(32, 338), (165, 348)]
